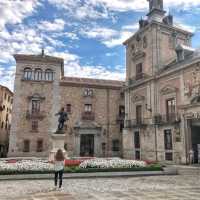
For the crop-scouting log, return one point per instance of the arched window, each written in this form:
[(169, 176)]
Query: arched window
[(38, 75), (27, 73), (49, 75)]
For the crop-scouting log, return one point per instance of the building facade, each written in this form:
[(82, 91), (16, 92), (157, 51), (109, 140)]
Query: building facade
[(6, 98), (162, 94), (95, 109)]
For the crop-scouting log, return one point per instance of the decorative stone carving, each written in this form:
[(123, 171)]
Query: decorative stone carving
[(168, 90), (138, 55), (137, 98)]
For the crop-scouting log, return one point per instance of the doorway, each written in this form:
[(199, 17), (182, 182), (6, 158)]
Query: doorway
[(87, 145), (195, 133)]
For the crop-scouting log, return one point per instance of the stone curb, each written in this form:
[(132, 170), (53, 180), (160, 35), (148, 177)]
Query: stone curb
[(89, 175)]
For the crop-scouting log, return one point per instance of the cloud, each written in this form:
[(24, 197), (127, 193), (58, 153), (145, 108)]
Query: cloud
[(81, 9), (57, 25), (88, 71), (110, 37), (13, 12), (7, 76), (90, 8), (101, 33)]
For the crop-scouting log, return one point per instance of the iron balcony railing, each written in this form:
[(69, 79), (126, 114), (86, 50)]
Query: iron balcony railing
[(136, 123), (88, 116), (34, 115), (170, 118)]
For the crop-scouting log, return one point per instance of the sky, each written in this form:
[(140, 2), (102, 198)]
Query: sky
[(88, 34)]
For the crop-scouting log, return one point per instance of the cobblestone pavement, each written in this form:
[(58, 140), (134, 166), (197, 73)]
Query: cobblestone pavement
[(140, 188)]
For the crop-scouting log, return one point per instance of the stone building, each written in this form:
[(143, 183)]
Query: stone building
[(95, 108), (162, 94), (6, 98)]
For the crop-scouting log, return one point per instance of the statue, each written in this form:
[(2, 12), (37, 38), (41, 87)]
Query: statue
[(63, 117)]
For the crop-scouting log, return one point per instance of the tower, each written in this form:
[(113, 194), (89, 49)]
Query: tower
[(156, 11)]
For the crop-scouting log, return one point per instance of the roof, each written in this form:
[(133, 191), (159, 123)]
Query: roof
[(92, 82), (4, 87), (40, 57)]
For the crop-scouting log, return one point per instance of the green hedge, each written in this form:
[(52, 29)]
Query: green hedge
[(87, 170)]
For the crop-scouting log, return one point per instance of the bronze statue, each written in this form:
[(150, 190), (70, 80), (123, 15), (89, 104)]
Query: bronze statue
[(63, 117)]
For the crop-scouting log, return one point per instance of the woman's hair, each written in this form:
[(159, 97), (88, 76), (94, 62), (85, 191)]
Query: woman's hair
[(59, 155)]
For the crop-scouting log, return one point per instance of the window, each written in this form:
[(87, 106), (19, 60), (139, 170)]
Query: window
[(27, 74), (137, 145), (170, 108), (38, 75), (88, 92), (139, 71), (68, 108), (88, 107), (49, 75), (35, 106), (26, 146), (137, 140), (103, 146), (115, 145), (34, 125), (5, 96), (144, 42), (122, 111), (121, 127), (2, 125), (40, 145), (138, 114), (168, 145), (168, 139), (8, 98)]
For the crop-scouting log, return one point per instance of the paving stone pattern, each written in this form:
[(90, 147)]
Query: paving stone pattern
[(141, 188)]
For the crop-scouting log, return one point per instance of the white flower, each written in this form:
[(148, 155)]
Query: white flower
[(26, 165), (111, 163)]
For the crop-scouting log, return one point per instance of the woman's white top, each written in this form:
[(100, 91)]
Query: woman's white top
[(59, 165)]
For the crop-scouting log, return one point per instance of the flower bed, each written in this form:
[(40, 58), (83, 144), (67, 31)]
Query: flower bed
[(112, 163), (32, 166), (26, 165)]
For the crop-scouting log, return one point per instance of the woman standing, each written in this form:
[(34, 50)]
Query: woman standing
[(59, 164)]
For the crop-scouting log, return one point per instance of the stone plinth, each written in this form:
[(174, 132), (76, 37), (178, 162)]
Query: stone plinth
[(58, 141)]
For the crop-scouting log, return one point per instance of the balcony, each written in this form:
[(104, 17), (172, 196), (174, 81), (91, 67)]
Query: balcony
[(35, 115), (136, 123), (88, 116), (171, 118)]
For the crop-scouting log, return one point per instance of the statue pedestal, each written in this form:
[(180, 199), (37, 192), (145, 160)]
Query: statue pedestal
[(58, 141)]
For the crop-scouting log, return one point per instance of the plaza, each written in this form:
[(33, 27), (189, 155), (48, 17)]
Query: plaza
[(182, 187)]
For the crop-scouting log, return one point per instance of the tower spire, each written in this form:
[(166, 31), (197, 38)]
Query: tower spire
[(156, 11)]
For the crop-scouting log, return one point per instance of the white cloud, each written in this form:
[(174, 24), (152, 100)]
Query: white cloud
[(115, 5), (57, 25), (89, 71), (99, 33), (110, 37), (7, 76), (13, 12), (81, 9), (123, 35)]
